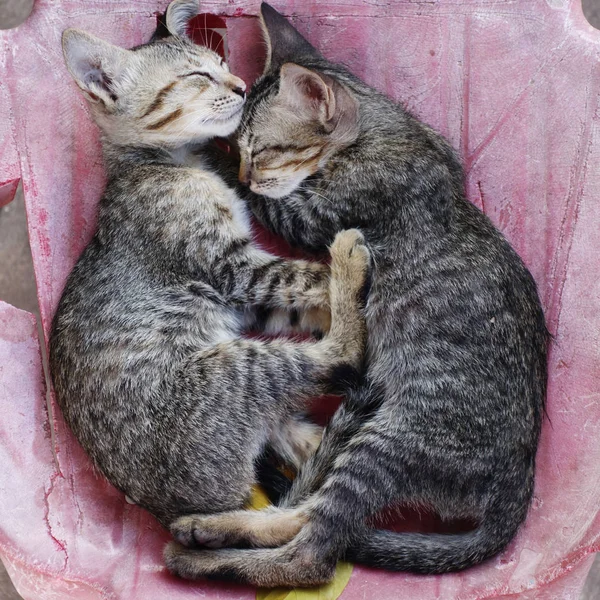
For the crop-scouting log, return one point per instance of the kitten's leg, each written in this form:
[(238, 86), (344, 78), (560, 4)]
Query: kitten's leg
[(298, 438), (270, 527), (291, 373), (291, 444), (299, 285), (265, 528), (359, 404), (363, 480), (256, 278), (279, 321), (314, 321)]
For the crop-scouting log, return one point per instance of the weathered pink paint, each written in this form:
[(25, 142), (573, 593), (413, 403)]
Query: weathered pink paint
[(9, 157), (515, 85)]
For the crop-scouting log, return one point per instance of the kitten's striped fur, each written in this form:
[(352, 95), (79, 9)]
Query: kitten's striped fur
[(147, 359), (450, 411)]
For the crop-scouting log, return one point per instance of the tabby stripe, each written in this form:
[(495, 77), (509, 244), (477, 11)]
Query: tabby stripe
[(294, 317), (158, 101), (235, 246), (261, 271), (273, 284), (300, 161), (224, 211), (164, 121), (285, 148), (227, 277), (261, 317), (289, 278)]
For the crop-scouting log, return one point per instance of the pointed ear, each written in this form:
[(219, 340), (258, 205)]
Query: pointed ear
[(94, 64), (321, 98), (178, 16), (284, 43), (307, 91)]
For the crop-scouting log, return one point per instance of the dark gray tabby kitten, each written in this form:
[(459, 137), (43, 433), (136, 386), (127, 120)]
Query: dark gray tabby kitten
[(147, 358), (450, 411)]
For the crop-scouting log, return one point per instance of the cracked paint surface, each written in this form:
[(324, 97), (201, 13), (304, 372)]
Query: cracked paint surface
[(515, 86)]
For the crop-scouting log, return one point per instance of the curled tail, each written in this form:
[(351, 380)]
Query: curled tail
[(441, 553)]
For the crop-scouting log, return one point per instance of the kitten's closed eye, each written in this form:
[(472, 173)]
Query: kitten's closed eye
[(199, 74)]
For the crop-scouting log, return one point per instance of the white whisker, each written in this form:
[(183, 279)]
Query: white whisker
[(220, 42), (321, 196), (307, 158)]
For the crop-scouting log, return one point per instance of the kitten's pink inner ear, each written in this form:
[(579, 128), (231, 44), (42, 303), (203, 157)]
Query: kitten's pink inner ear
[(313, 88), (91, 96), (304, 87)]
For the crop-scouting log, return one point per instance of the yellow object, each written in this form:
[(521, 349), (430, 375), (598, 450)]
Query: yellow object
[(329, 591), (259, 499)]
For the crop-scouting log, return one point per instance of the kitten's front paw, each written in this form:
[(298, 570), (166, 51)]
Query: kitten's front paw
[(350, 258)]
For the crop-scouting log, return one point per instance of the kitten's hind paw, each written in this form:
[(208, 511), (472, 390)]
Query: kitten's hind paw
[(257, 528), (190, 531)]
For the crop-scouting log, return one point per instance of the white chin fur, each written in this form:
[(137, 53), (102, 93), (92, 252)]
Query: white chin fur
[(220, 128), (271, 193)]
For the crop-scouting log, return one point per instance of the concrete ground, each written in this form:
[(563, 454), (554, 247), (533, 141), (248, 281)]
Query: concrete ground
[(12, 14), (17, 285)]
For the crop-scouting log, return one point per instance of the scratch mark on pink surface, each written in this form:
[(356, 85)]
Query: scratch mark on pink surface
[(59, 543), (466, 69), (571, 213), (481, 196), (35, 568), (80, 517), (444, 66), (550, 576), (472, 159), (138, 552), (556, 461), (496, 128)]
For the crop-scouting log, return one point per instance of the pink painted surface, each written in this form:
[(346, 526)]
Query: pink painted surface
[(10, 171), (515, 85)]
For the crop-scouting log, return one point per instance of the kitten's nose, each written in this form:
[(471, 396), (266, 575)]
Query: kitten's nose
[(237, 85)]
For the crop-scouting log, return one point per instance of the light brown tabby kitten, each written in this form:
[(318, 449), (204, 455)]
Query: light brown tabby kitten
[(147, 356)]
